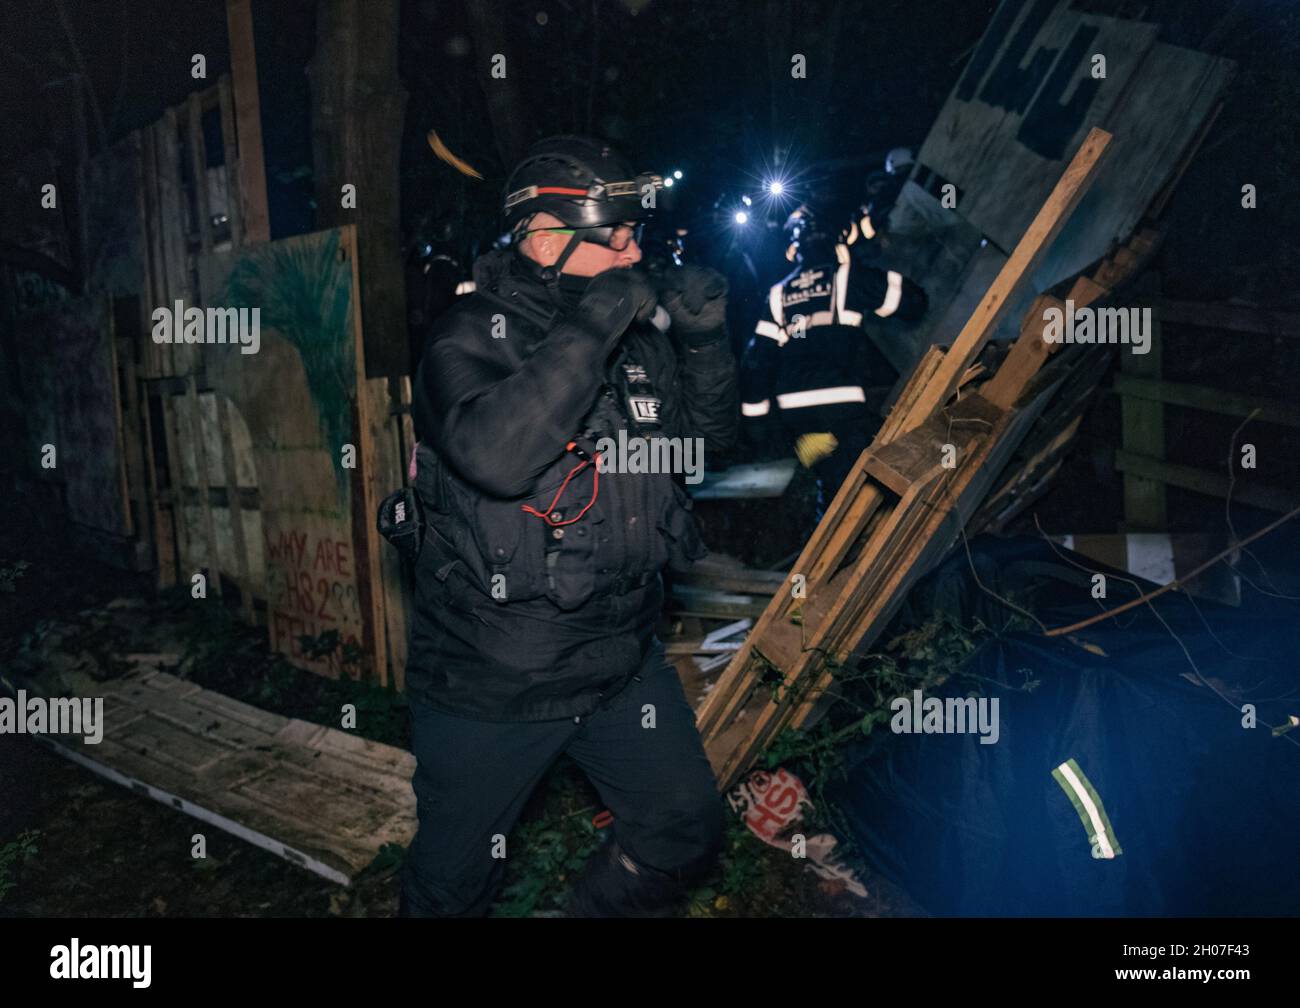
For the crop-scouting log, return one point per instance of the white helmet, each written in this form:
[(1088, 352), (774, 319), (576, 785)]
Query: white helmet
[(899, 160)]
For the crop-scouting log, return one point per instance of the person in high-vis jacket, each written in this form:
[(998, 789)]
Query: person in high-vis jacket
[(538, 578), (809, 373)]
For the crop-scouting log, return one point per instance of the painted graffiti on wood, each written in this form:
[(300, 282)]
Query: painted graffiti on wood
[(311, 581)]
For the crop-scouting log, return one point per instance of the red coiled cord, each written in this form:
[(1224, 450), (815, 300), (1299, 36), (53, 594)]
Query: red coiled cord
[(595, 488)]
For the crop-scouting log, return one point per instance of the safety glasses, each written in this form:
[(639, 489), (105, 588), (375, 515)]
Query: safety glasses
[(615, 236)]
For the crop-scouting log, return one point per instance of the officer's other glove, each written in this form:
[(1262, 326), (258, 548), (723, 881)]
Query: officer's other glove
[(613, 300), (695, 298), (812, 448)]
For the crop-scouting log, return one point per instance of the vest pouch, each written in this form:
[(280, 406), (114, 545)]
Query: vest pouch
[(443, 581), (570, 560), (498, 530), (568, 552), (430, 480)]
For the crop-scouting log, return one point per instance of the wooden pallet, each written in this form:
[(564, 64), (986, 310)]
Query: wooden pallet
[(902, 508)]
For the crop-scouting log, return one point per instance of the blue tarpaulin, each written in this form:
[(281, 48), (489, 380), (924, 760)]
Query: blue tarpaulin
[(1205, 811)]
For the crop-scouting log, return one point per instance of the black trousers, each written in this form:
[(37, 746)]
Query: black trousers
[(853, 426), (641, 751)]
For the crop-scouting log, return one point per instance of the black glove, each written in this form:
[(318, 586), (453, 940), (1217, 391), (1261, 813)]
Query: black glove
[(695, 298), (613, 300)]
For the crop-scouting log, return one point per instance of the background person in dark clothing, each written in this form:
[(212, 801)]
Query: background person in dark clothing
[(538, 582), (809, 366)]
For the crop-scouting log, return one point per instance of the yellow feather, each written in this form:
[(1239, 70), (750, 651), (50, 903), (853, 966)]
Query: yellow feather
[(440, 149)]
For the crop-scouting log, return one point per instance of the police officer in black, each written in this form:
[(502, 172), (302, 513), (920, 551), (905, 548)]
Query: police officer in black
[(538, 581), (810, 365)]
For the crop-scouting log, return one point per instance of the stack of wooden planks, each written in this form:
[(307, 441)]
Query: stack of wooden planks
[(951, 434)]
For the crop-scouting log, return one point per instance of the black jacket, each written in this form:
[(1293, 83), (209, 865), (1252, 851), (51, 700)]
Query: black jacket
[(517, 618), (808, 350)]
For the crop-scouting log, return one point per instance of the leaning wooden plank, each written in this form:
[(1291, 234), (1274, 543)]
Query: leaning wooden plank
[(943, 526), (848, 595), (229, 146), (1028, 252), (793, 667), (365, 534), (924, 533), (202, 468), (171, 228), (383, 472), (187, 559), (199, 169), (907, 398), (834, 594), (230, 470), (774, 627), (152, 286), (248, 122), (848, 513)]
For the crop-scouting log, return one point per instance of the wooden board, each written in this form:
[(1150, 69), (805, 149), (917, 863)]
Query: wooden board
[(1023, 105), (1213, 484), (255, 218), (1284, 412), (1046, 224), (323, 798), (298, 401), (1027, 83), (1143, 428), (1029, 93)]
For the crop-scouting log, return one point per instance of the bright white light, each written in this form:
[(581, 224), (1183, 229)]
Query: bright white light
[(677, 174), (668, 182), (776, 187), (746, 200), (741, 217)]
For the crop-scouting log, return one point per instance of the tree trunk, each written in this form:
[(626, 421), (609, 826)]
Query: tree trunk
[(506, 109), (358, 107)]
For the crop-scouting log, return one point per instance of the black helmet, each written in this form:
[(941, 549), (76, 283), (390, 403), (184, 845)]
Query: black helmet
[(807, 234), (580, 180), (801, 223)]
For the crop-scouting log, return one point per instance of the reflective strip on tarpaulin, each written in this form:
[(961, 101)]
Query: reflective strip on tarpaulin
[(1092, 813)]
